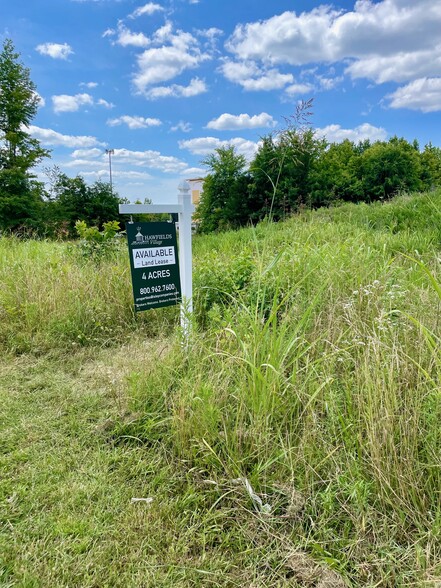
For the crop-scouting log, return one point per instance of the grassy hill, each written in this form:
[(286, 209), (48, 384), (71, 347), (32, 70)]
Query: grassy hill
[(296, 441)]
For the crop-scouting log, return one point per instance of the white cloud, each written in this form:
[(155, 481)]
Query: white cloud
[(133, 175), (96, 175), (126, 38), (210, 33), (67, 103), (102, 102), (423, 94), (164, 33), (328, 83), (335, 134), (270, 80), (84, 153), (48, 137), (195, 87), (194, 172), (396, 25), (149, 159), (296, 89), (285, 38), (185, 127), (179, 52), (202, 145), (148, 9), (55, 50), (253, 78), (400, 67), (40, 100), (134, 122), (81, 162), (231, 122), (119, 174), (386, 40), (90, 85), (206, 145)]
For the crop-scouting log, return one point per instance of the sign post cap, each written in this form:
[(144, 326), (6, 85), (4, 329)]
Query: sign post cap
[(184, 186)]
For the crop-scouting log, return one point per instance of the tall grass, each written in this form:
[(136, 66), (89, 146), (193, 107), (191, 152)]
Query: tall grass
[(312, 378), (336, 399), (317, 379), (51, 297)]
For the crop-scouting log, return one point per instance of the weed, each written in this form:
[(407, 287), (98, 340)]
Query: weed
[(96, 245)]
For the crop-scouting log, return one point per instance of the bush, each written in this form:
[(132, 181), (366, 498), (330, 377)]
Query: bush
[(97, 245)]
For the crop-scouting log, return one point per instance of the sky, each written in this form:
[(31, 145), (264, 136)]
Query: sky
[(164, 83)]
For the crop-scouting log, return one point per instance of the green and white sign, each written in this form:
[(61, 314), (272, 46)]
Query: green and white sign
[(154, 264)]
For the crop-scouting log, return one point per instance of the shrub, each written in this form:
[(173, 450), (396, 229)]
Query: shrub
[(95, 244)]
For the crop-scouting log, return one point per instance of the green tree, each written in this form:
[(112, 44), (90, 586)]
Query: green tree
[(20, 194), (104, 203), (283, 170), (284, 173), (72, 200), (430, 167), (223, 203), (302, 151), (387, 168), (337, 174), (265, 169)]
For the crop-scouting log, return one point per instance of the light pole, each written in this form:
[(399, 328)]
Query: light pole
[(110, 152)]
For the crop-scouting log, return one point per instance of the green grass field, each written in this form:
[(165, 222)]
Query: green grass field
[(296, 440)]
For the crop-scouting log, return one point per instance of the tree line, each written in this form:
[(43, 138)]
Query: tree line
[(292, 169), (27, 204), (295, 168)]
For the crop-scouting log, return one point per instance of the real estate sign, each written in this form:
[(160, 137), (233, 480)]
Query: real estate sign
[(154, 264)]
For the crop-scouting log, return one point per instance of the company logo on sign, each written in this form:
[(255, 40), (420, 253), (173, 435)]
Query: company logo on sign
[(149, 239), (153, 256)]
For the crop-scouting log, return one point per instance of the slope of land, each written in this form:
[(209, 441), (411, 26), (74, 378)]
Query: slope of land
[(295, 441)]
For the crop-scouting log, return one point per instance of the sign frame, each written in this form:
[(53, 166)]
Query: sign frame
[(185, 209)]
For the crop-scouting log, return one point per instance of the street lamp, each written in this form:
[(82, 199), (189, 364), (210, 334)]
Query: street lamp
[(110, 152)]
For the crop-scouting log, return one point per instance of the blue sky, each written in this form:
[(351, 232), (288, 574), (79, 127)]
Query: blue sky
[(163, 83)]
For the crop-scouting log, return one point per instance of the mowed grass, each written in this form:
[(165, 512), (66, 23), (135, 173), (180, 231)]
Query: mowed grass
[(67, 486), (295, 441)]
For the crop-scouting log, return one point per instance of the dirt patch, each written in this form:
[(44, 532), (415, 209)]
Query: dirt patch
[(312, 574)]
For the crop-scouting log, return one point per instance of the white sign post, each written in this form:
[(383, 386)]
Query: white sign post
[(185, 209)]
